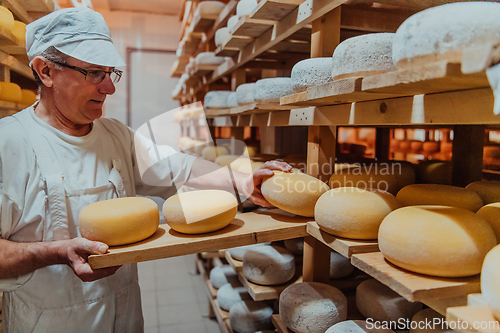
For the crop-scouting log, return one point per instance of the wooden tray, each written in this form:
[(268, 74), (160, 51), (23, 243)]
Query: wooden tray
[(245, 229)]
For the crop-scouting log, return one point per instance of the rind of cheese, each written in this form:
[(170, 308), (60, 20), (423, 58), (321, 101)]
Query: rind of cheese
[(429, 315), (295, 193), (19, 31), (244, 93), (230, 294), (490, 275), (367, 54), (379, 302), (221, 35), (216, 99), (238, 252), (119, 221), (295, 245), (210, 153), (245, 7), (250, 316), (312, 307), (352, 212), (232, 100), (10, 92), (6, 18), (311, 72), (340, 266), (221, 275), (436, 240), (272, 89), (491, 214), (443, 32), (356, 326), (268, 265), (489, 191), (442, 195), (232, 22), (208, 58), (209, 9), (199, 212)]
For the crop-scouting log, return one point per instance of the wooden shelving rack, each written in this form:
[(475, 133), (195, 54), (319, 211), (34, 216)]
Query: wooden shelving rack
[(476, 316)]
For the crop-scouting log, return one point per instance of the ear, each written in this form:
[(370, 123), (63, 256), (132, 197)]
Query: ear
[(44, 71)]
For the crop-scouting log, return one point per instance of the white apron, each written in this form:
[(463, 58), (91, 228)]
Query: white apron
[(54, 299)]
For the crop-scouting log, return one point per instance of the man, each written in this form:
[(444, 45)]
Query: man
[(58, 156)]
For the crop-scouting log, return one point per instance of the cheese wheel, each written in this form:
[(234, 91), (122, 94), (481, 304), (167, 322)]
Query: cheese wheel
[(436, 240), (19, 31), (271, 90), (28, 97), (388, 176), (245, 7), (377, 301), (225, 160), (209, 9), (6, 18), (250, 316), (490, 275), (221, 35), (10, 92), (352, 212), (295, 245), (312, 307), (268, 265), (443, 32), (208, 58), (442, 195), (295, 193), (250, 168), (489, 191), (238, 252), (221, 275), (216, 99), (363, 55), (356, 326), (232, 22), (244, 93), (232, 100), (199, 212), (340, 266), (210, 153), (491, 214), (311, 72), (438, 322), (119, 221), (230, 294), (434, 172)]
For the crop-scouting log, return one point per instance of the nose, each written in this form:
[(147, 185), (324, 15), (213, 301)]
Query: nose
[(107, 86)]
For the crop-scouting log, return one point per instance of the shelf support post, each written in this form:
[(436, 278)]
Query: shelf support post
[(467, 157)]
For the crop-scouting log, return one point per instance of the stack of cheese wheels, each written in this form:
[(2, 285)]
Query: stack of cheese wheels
[(6, 19), (232, 100), (271, 90), (216, 99), (221, 35), (208, 58), (429, 316), (210, 153), (437, 194), (434, 172), (356, 326), (436, 240), (379, 302), (363, 55), (490, 275), (230, 294), (295, 245), (443, 32), (294, 192), (388, 176), (311, 72), (489, 191), (221, 275), (352, 212), (200, 212), (238, 252), (119, 221), (312, 307), (268, 265), (244, 93), (491, 214), (340, 266), (250, 316)]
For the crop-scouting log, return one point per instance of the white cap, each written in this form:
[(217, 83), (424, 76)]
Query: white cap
[(78, 32)]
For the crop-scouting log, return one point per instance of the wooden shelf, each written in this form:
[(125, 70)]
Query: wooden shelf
[(257, 108), (28, 11), (475, 317), (179, 66), (245, 229), (274, 10), (10, 44), (237, 265), (15, 65), (278, 323)]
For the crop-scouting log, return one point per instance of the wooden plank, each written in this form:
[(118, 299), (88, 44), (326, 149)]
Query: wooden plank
[(10, 44), (298, 99), (18, 10), (245, 229), (473, 319), (258, 108), (237, 265), (202, 24), (279, 324), (236, 42), (274, 10), (250, 27), (467, 158), (325, 34), (440, 305), (316, 262), (476, 300), (344, 246), (15, 65), (413, 286), (370, 19)]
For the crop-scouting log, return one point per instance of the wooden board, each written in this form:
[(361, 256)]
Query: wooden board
[(28, 11), (298, 99), (245, 229), (274, 10), (9, 43), (257, 108), (344, 246), (202, 23), (210, 291), (237, 265), (473, 319), (16, 65), (249, 27), (413, 286), (278, 323)]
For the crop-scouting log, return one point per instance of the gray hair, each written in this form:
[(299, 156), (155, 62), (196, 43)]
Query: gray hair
[(53, 55)]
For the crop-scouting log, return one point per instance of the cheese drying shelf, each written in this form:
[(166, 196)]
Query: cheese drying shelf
[(237, 265), (476, 316)]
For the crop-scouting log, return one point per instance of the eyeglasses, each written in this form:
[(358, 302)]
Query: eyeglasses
[(95, 76)]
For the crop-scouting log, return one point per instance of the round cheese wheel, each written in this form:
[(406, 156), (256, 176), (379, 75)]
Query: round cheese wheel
[(209, 9), (208, 58), (10, 92), (230, 294), (271, 90), (437, 194), (490, 275), (312, 307), (434, 172), (232, 22), (340, 266), (19, 31), (295, 245), (491, 214), (426, 316), (250, 168), (244, 93), (356, 326), (268, 265), (352, 212), (210, 153), (311, 72), (221, 35), (232, 100), (221, 275), (489, 191), (225, 160), (377, 301), (443, 32), (363, 55), (238, 252), (245, 7), (119, 221), (28, 97), (216, 99), (199, 212), (388, 176), (250, 316), (293, 192), (6, 18), (436, 240)]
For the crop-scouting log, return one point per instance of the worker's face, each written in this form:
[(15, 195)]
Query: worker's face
[(79, 99)]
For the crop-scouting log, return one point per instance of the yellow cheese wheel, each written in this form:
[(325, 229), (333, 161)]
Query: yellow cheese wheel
[(19, 31), (388, 176), (434, 172), (293, 192), (442, 195), (436, 240), (28, 97), (491, 214), (10, 92), (225, 160), (250, 168), (352, 212), (119, 221), (6, 19), (490, 275), (199, 212), (489, 191), (210, 153)]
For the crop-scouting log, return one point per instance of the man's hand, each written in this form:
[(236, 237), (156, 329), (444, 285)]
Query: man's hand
[(254, 181)]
